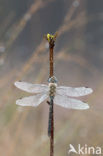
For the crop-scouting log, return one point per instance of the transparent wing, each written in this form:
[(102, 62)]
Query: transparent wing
[(32, 100), (67, 102), (74, 92), (31, 88)]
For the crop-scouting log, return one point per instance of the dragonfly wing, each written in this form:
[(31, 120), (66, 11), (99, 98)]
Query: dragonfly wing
[(32, 100), (67, 102), (73, 92), (31, 88)]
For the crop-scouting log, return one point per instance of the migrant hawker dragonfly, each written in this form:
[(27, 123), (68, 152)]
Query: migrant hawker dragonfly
[(62, 95)]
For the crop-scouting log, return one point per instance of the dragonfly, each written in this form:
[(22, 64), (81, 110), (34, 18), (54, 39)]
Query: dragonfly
[(61, 95)]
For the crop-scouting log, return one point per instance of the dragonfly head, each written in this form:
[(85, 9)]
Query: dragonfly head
[(52, 79)]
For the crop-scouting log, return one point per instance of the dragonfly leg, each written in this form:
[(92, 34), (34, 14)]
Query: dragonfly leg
[(48, 102)]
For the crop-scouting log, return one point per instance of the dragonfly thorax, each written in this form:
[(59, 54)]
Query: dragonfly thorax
[(52, 89)]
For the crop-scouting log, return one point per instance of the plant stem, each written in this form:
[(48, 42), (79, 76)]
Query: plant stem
[(51, 39), (52, 117)]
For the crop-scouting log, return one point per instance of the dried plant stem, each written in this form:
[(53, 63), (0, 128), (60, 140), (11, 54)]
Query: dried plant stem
[(51, 48), (51, 61)]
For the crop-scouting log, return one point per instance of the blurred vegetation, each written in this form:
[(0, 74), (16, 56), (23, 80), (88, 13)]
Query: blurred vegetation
[(78, 62)]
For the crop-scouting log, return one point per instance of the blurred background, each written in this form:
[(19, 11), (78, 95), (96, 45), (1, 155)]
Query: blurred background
[(78, 62)]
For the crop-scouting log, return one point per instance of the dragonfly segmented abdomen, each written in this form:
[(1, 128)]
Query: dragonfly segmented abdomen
[(50, 116)]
